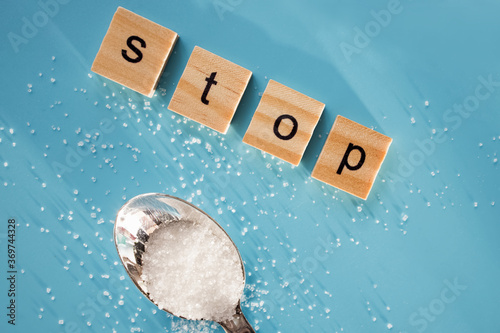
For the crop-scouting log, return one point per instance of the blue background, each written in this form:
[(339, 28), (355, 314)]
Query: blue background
[(75, 146)]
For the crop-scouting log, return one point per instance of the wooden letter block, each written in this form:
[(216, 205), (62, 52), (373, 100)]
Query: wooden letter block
[(134, 52), (283, 122), (210, 90), (351, 157)]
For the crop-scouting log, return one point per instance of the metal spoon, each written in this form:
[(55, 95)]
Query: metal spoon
[(139, 218)]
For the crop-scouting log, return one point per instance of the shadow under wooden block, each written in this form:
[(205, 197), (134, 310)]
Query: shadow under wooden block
[(283, 122), (210, 90), (134, 52), (351, 157)]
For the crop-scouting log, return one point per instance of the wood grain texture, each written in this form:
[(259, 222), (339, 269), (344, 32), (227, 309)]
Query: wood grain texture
[(211, 104), (356, 182), (141, 76), (278, 101)]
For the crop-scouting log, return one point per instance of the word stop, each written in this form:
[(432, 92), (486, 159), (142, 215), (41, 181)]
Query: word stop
[(135, 51)]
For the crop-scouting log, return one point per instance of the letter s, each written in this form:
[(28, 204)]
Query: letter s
[(134, 49)]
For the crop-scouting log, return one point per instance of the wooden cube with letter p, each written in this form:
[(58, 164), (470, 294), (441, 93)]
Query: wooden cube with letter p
[(210, 90), (351, 157), (134, 52), (283, 122)]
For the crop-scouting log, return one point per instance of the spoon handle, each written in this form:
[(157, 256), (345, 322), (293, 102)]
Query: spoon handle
[(238, 324)]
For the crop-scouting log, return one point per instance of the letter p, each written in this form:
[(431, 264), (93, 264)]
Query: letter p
[(345, 159)]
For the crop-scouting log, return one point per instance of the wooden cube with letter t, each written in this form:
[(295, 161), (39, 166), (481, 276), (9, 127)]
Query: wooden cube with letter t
[(283, 122), (210, 90), (134, 52), (351, 157)]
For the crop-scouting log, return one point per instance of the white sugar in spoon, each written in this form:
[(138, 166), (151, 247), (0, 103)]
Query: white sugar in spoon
[(182, 260)]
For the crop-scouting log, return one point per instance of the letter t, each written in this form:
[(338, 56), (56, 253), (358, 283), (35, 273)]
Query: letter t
[(210, 80)]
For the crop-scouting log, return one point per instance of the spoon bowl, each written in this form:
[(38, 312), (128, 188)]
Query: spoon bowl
[(136, 222)]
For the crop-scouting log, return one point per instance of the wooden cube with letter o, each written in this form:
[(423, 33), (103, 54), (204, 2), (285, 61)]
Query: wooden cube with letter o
[(283, 122)]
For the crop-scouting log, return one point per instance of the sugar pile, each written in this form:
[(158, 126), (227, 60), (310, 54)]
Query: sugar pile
[(193, 270)]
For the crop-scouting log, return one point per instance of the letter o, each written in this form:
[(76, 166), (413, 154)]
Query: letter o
[(84, 150), (277, 127), (43, 16), (310, 264), (437, 306), (370, 31), (413, 158), (102, 299), (471, 107)]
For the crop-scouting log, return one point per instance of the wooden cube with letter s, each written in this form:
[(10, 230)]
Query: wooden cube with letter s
[(134, 52)]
